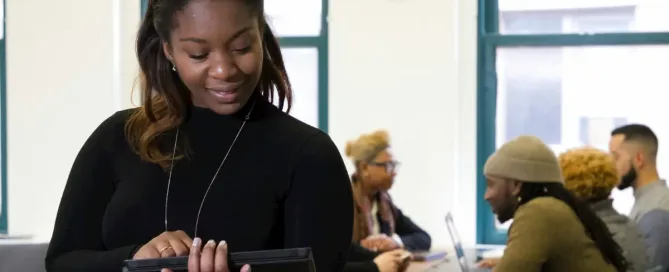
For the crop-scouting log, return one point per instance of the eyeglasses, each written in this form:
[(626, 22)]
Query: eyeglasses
[(391, 166)]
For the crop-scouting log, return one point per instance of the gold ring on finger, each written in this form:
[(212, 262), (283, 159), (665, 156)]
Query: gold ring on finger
[(163, 249)]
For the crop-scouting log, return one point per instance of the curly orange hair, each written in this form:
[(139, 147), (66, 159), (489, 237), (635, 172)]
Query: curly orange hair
[(367, 145), (589, 173)]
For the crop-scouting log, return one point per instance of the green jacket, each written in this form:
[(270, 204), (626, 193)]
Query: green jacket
[(546, 235)]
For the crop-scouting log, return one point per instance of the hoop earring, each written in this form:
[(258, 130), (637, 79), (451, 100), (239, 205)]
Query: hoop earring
[(174, 68)]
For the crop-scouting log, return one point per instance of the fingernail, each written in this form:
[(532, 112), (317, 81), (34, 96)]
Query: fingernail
[(211, 243), (223, 244), (196, 242), (246, 268)]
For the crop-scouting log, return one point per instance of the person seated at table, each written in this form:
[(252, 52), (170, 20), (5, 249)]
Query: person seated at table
[(552, 230), (378, 224), (590, 174), (634, 148)]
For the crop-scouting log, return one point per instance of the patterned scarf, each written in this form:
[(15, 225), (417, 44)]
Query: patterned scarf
[(363, 223)]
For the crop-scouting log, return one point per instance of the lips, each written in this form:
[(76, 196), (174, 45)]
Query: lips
[(227, 94)]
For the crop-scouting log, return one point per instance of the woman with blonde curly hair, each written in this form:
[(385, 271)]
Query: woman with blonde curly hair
[(590, 174), (379, 226)]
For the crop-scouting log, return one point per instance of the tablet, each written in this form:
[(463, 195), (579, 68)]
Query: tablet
[(428, 256), (279, 260)]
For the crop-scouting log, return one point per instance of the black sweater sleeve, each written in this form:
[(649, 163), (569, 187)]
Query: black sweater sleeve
[(76, 243), (413, 237), (361, 260), (319, 206), (359, 253), (368, 266)]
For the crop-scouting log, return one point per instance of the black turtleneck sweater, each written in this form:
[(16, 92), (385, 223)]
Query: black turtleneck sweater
[(284, 185)]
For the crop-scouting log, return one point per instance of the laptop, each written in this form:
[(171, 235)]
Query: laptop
[(465, 264)]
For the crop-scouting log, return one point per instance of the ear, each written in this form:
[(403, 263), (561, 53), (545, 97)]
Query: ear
[(363, 166), (639, 159), (167, 50), (515, 187)]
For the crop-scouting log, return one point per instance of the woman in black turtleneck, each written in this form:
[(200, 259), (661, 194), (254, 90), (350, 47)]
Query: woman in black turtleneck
[(207, 143)]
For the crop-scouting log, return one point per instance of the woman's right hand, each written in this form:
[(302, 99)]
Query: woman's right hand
[(167, 244), (488, 263), (390, 261)]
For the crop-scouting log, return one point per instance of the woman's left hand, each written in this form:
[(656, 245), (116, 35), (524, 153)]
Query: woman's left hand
[(379, 243), (209, 258)]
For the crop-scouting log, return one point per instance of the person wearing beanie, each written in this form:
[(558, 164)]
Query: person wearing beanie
[(379, 226), (590, 174), (552, 230)]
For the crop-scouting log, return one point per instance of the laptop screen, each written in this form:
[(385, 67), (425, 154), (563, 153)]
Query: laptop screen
[(457, 244)]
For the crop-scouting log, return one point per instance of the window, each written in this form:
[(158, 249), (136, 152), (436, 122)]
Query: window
[(542, 17), (568, 72), (304, 42), (302, 29), (530, 94), (295, 18), (3, 125), (302, 66)]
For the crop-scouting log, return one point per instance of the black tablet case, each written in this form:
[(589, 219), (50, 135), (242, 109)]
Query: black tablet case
[(279, 260)]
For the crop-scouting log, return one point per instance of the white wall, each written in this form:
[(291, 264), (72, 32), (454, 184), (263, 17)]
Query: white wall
[(410, 67), (406, 66), (70, 64)]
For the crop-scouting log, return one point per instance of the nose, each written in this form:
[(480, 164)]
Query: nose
[(222, 67), (488, 195)]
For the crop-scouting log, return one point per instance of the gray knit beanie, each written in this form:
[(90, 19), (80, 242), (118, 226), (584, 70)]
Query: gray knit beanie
[(525, 158)]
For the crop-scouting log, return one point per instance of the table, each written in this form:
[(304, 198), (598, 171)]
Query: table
[(445, 265), (451, 264), (419, 266)]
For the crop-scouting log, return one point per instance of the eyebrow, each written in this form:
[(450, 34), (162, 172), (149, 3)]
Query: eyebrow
[(191, 39), (200, 40)]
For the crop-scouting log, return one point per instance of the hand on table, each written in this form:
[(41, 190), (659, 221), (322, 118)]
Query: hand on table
[(167, 244), (379, 243), (392, 261), (488, 263), (209, 258)]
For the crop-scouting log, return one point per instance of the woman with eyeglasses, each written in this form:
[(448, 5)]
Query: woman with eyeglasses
[(379, 226)]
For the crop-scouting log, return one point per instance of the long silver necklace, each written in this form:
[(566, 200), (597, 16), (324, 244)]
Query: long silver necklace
[(169, 179)]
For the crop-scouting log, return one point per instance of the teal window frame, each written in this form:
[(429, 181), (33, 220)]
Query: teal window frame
[(4, 227), (320, 43), (489, 40), (143, 5)]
